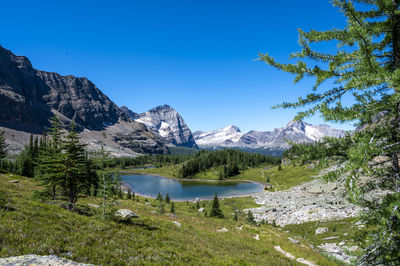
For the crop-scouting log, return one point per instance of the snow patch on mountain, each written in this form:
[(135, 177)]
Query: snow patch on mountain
[(218, 137), (296, 131)]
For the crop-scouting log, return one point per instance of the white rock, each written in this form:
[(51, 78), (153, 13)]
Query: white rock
[(294, 241), (331, 237), (222, 230), (321, 230), (126, 214), (256, 237), (306, 262), (196, 200), (200, 210), (94, 205), (178, 224)]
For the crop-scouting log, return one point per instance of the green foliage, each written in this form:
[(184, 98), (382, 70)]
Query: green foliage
[(160, 197), (232, 160), (129, 194), (366, 67), (3, 200), (172, 209), (235, 216), (215, 210), (3, 147), (250, 218), (161, 208), (167, 199)]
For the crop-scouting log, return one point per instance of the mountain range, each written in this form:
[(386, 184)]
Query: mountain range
[(296, 131), (30, 97)]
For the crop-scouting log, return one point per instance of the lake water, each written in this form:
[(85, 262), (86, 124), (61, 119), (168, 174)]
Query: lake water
[(149, 185)]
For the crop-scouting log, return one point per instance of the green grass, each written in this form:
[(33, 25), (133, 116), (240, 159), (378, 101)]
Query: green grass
[(34, 227), (344, 229), (288, 177)]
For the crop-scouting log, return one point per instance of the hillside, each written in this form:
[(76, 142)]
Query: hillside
[(153, 238)]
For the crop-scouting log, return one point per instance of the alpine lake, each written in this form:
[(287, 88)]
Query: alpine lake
[(150, 186)]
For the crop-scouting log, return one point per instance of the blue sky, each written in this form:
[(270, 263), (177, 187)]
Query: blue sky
[(197, 56)]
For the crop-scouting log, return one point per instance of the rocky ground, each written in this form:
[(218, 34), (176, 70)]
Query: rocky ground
[(39, 260), (312, 201)]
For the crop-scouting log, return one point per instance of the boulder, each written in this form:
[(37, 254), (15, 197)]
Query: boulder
[(222, 230), (321, 230), (201, 210), (39, 260), (178, 224), (126, 214), (294, 241), (196, 200), (13, 181)]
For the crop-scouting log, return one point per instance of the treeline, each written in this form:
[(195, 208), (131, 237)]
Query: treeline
[(330, 147), (63, 166), (232, 160)]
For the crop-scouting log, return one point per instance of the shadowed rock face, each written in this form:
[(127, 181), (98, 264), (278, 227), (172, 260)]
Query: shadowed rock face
[(29, 98), (167, 123)]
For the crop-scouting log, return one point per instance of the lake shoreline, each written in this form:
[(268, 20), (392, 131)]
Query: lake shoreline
[(196, 179), (125, 187)]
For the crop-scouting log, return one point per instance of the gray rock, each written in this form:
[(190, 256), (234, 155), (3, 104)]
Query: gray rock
[(294, 241), (38, 260), (29, 98), (167, 123), (178, 224), (94, 205), (321, 230), (222, 230), (339, 252), (13, 181), (196, 200), (201, 210), (126, 214)]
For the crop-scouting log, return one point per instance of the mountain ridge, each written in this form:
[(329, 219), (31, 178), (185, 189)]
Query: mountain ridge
[(166, 122), (30, 97), (296, 131)]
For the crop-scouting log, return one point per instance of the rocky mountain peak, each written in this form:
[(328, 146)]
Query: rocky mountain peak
[(167, 123), (30, 97), (232, 128)]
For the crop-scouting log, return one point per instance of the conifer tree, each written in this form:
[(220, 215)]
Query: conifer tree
[(235, 217), (159, 197), (161, 208), (129, 194), (167, 198), (3, 147), (365, 66), (172, 210), (250, 218), (74, 162), (50, 170), (215, 210)]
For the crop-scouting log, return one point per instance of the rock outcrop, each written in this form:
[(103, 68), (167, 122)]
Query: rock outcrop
[(39, 260), (312, 201), (167, 123), (30, 97)]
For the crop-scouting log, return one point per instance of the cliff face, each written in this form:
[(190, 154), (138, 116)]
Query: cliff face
[(29, 98), (168, 124)]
